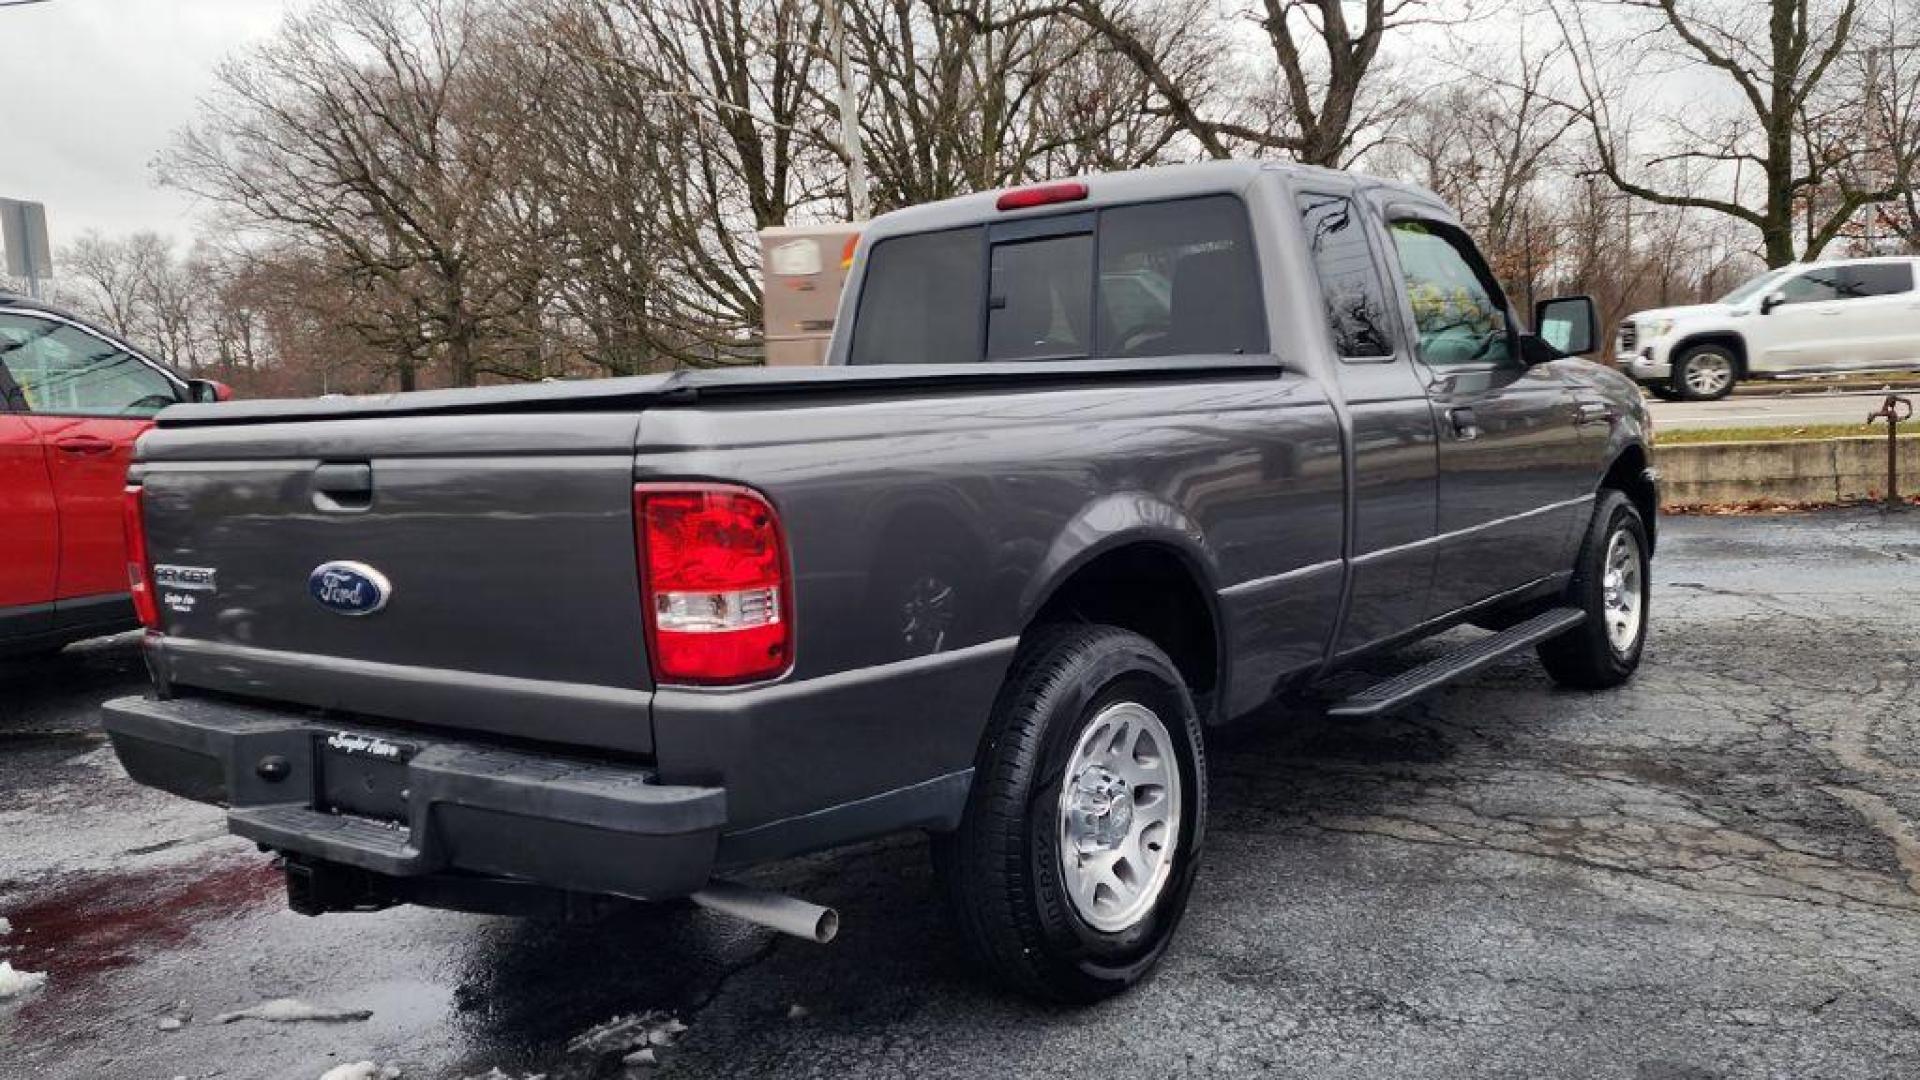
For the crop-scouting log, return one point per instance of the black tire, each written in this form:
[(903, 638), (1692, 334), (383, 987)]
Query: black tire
[(1699, 356), (1002, 870), (1586, 656)]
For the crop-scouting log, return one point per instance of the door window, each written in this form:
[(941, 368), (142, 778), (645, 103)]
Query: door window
[(53, 368), (1876, 279), (1349, 283), (1456, 312), (1813, 287)]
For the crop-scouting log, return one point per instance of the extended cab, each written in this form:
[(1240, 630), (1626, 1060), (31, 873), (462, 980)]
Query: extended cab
[(73, 398), (1830, 318), (1092, 465)]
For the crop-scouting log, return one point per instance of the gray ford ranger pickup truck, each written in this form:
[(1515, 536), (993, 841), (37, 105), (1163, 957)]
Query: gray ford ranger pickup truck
[(1093, 465)]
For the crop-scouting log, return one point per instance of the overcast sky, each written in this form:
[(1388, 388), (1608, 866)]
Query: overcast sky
[(91, 90)]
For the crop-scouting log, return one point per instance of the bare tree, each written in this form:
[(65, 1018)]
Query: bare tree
[(1321, 58), (346, 135), (1794, 125), (1489, 142), (107, 277), (668, 134)]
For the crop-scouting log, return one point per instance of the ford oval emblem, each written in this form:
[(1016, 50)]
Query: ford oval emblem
[(349, 588)]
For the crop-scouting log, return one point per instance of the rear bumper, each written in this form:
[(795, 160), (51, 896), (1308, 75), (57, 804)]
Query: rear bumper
[(453, 807)]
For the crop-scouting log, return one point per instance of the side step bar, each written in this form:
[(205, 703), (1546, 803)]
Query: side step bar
[(1469, 658)]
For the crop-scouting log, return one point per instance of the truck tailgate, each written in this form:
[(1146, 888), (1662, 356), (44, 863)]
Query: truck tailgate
[(504, 544)]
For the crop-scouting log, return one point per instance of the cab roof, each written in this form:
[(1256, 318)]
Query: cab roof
[(1137, 185)]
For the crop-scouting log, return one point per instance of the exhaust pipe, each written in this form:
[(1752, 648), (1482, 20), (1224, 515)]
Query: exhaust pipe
[(771, 910)]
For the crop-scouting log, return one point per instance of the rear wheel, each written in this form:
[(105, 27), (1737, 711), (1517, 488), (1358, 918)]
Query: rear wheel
[(1705, 373), (1082, 834), (1611, 583)]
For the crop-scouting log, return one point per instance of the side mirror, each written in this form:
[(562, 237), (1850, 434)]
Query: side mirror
[(1569, 324), (208, 391), (1770, 301)]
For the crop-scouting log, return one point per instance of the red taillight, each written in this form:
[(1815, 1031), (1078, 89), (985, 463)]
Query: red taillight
[(139, 567), (1041, 195), (713, 574)]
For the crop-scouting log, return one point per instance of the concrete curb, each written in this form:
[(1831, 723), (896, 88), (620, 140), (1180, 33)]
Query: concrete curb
[(1811, 471)]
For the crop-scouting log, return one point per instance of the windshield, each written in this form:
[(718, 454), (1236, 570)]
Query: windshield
[(1752, 285)]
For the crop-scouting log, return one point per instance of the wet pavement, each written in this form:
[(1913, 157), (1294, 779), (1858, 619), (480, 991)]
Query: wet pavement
[(1713, 872)]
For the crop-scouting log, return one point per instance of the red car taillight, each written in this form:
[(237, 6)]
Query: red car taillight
[(139, 567), (713, 574)]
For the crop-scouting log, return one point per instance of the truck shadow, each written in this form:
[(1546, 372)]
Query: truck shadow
[(60, 691), (538, 987)]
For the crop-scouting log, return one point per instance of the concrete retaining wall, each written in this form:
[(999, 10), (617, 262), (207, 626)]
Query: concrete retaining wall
[(1812, 471)]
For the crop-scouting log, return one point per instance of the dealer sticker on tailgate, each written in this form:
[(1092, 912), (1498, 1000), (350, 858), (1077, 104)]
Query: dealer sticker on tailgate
[(369, 746)]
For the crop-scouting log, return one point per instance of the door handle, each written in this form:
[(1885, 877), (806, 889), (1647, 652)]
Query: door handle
[(1592, 412), (343, 487), (1464, 425), (91, 445)]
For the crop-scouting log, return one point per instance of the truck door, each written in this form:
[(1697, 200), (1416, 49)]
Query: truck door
[(1806, 324), (88, 400), (1879, 318), (1395, 464), (1511, 463)]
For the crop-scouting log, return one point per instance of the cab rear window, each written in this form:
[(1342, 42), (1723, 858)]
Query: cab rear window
[(1153, 279)]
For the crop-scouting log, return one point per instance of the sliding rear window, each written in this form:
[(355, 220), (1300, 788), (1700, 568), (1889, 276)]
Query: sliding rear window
[(1155, 279)]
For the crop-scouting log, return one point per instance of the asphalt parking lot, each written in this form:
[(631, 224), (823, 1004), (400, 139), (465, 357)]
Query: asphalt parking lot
[(1713, 872)]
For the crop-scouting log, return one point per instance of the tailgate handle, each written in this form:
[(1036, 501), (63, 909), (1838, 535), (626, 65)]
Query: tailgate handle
[(343, 487)]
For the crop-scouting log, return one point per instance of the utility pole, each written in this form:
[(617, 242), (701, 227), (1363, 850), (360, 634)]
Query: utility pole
[(857, 198)]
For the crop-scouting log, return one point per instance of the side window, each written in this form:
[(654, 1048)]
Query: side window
[(1455, 312), (1812, 287), (1040, 299), (1356, 301), (1179, 278), (921, 300), (55, 368), (1876, 279)]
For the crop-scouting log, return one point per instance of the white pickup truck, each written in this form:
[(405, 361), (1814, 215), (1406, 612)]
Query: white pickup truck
[(1853, 315)]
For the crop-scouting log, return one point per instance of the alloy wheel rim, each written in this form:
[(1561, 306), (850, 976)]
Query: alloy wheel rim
[(1623, 592), (1119, 816), (1709, 373)]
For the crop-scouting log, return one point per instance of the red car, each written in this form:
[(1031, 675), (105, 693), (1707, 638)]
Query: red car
[(73, 398)]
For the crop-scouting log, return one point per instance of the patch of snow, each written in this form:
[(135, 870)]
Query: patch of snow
[(5, 927), (292, 1010), (628, 1039), (170, 1023), (362, 1070), (14, 983)]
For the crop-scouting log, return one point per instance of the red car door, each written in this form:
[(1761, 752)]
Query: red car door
[(29, 530), (87, 399), (87, 458)]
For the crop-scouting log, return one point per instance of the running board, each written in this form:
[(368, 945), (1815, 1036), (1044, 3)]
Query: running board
[(1467, 659)]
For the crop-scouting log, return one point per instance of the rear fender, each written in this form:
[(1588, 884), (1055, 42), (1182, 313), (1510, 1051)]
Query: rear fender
[(1111, 522)]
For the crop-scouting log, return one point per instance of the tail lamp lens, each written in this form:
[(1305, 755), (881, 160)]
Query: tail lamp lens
[(139, 566), (713, 570)]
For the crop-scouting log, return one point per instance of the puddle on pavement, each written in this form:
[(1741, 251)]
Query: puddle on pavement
[(100, 923)]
